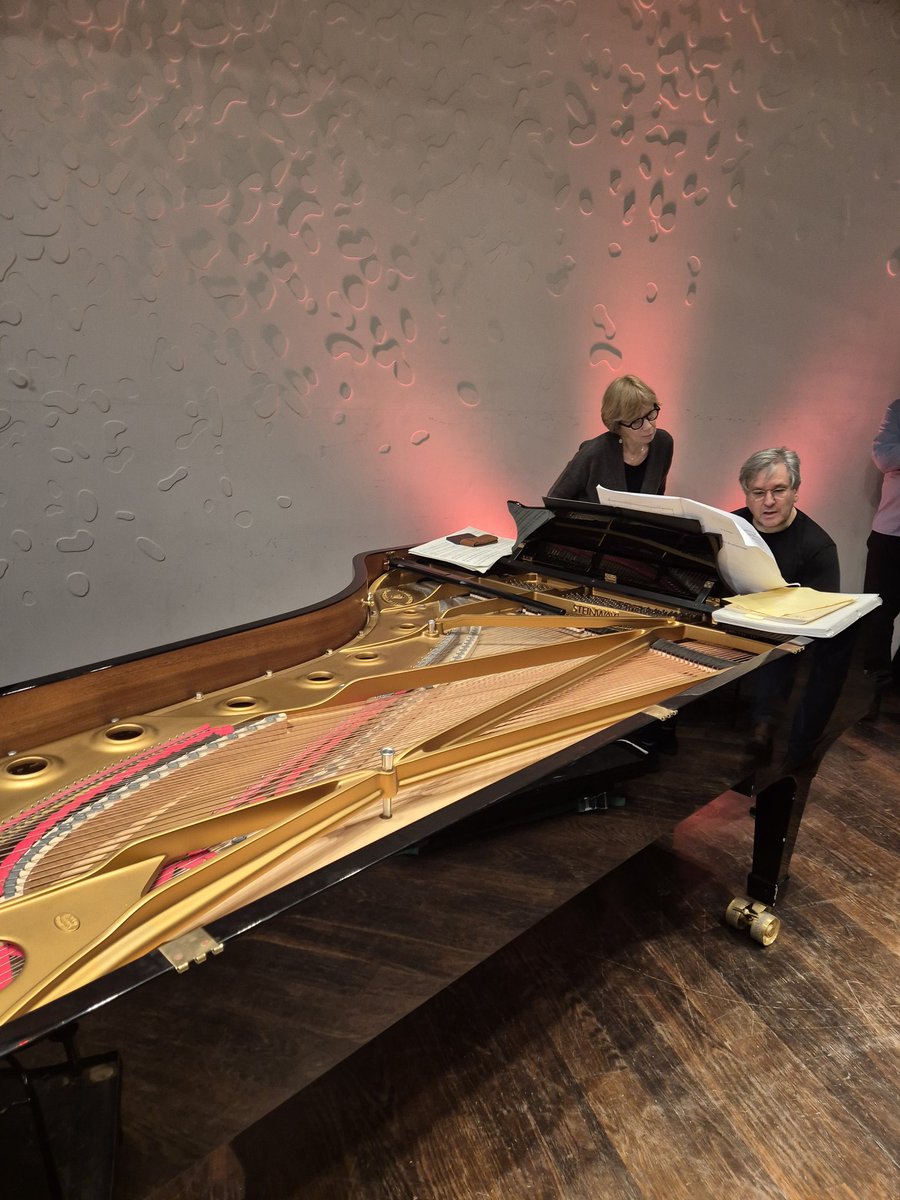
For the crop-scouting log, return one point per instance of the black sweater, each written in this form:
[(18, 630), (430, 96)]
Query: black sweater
[(804, 552), (600, 461)]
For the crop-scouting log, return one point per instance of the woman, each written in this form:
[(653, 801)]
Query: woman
[(634, 456), (883, 561)]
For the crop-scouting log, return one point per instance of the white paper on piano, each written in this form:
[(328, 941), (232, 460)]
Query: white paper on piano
[(824, 627), (744, 560), (474, 558)]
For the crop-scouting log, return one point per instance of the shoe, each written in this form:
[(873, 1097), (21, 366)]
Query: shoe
[(762, 733), (760, 743)]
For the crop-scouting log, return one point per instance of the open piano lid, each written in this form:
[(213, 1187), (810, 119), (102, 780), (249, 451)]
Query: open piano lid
[(649, 555)]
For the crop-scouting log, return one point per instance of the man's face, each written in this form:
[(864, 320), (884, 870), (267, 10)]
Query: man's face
[(771, 498)]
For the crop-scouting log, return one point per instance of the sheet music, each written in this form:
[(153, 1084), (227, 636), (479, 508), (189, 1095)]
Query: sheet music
[(745, 561), (644, 502), (474, 558)]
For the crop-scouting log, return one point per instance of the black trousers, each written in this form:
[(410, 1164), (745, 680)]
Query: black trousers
[(819, 674), (883, 577)]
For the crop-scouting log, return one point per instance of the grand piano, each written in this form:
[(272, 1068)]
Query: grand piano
[(157, 808)]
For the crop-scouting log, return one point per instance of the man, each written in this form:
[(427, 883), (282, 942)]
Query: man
[(806, 555), (803, 550)]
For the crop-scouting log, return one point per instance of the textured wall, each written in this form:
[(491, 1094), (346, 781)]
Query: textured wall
[(285, 281)]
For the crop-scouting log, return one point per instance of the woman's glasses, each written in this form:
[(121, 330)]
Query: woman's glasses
[(650, 416)]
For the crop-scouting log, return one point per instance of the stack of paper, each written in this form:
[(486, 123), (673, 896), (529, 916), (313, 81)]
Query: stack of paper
[(800, 604), (822, 625)]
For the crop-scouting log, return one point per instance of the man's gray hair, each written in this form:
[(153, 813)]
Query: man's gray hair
[(766, 460)]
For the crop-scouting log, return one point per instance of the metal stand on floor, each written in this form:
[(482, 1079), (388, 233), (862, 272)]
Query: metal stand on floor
[(59, 1121)]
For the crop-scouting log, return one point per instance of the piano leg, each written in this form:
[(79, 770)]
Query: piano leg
[(16, 1076), (779, 809), (59, 1122)]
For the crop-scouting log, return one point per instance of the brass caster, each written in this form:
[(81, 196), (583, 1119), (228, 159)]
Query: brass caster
[(753, 917)]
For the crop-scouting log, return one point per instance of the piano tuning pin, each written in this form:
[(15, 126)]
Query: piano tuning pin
[(390, 787), (432, 627)]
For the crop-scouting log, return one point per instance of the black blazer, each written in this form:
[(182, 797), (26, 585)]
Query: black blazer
[(600, 461)]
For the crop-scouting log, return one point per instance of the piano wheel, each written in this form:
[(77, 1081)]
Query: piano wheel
[(753, 917)]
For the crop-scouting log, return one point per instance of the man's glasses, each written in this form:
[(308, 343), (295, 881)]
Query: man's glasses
[(650, 416), (778, 493)]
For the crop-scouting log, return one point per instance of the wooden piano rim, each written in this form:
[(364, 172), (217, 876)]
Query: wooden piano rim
[(44, 710)]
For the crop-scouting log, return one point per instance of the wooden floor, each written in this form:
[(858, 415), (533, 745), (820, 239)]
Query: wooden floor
[(426, 1031), (631, 1045)]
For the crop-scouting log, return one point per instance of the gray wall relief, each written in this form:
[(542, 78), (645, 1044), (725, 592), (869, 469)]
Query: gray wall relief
[(280, 282)]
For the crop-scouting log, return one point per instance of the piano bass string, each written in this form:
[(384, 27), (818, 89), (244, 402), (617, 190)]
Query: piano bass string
[(117, 840)]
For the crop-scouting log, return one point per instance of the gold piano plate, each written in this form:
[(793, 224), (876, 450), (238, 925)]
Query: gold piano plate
[(133, 834)]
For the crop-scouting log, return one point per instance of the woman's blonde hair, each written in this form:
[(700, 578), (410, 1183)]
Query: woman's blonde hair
[(626, 399)]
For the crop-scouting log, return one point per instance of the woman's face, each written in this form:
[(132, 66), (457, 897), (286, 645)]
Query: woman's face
[(641, 431)]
